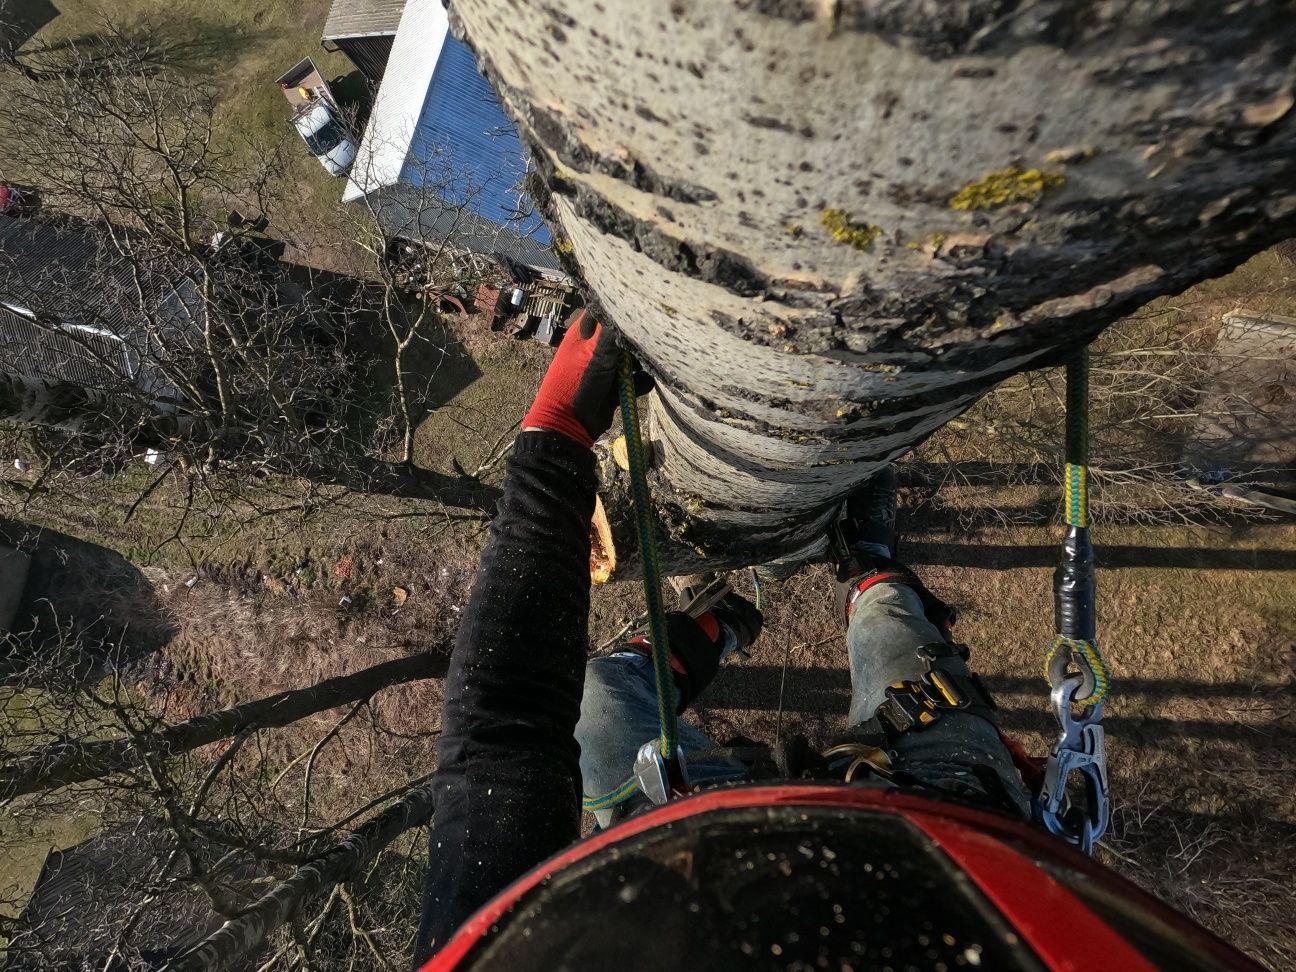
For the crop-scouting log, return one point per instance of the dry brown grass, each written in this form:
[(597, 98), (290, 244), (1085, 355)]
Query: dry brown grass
[(1202, 744), (238, 639)]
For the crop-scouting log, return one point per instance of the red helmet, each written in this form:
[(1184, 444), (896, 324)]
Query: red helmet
[(827, 877)]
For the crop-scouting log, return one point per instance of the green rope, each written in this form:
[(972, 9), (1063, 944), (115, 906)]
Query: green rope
[(1077, 409), (665, 681), (1075, 509), (1089, 655), (609, 800), (662, 676), (1076, 474)]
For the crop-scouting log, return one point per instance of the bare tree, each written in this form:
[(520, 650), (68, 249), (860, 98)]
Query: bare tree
[(231, 819), (426, 248), (411, 234), (164, 318), (77, 761)]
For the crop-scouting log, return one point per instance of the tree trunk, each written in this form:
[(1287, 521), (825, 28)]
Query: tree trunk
[(828, 227), (61, 764)]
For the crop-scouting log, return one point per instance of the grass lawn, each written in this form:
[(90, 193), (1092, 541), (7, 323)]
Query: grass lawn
[(241, 48)]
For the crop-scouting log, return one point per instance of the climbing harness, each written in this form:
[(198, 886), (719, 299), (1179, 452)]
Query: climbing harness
[(1075, 667), (659, 771), (914, 705), (1076, 671)]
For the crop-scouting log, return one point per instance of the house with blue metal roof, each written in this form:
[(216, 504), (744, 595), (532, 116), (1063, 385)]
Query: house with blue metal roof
[(440, 160)]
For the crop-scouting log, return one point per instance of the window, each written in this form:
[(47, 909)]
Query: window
[(325, 139)]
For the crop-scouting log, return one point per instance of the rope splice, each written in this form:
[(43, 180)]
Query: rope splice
[(1076, 671)]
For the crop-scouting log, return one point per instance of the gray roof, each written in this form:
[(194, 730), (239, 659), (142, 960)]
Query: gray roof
[(88, 274), (362, 18), (50, 352), (74, 307), (409, 213), (87, 895)]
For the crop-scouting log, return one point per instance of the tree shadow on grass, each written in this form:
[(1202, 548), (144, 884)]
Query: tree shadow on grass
[(21, 20), (818, 691), (138, 50), (1008, 556), (83, 595)]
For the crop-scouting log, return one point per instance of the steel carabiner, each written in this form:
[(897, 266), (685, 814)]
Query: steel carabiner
[(660, 779), (1079, 750)]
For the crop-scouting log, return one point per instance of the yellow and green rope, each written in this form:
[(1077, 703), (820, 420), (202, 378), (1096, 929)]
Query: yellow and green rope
[(1076, 638)]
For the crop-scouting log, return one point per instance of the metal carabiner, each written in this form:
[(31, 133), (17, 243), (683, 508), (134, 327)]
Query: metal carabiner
[(660, 779), (1079, 749)]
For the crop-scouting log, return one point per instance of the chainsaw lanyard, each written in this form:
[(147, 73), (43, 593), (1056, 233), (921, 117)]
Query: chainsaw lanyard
[(1077, 674)]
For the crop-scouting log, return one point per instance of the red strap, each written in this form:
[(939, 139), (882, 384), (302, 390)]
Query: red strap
[(643, 646), (868, 582), (1030, 768), (710, 626)]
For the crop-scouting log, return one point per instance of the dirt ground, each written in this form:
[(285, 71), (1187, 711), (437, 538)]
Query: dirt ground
[(1199, 625), (1199, 629)]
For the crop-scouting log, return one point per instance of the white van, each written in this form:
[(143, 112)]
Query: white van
[(322, 132)]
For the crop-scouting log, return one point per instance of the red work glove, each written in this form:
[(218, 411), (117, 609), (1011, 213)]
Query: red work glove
[(578, 396)]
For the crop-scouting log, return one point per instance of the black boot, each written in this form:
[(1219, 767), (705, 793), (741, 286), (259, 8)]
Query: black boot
[(868, 521), (864, 547), (732, 609)]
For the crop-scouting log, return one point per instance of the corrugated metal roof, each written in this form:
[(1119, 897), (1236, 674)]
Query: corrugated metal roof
[(404, 211), (360, 18), (465, 141), (74, 308), (89, 894), (63, 272), (71, 271), (47, 351), (438, 127), (424, 28)]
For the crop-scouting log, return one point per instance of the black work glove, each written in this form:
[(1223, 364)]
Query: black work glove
[(698, 644)]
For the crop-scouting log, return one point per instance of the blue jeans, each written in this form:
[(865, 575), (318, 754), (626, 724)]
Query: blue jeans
[(887, 626)]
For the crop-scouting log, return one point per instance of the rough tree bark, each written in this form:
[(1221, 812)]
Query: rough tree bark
[(64, 763), (828, 226)]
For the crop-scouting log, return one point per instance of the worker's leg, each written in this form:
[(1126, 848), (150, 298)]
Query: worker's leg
[(619, 715), (887, 627)]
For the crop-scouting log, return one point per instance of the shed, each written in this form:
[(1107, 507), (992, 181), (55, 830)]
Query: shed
[(74, 308), (440, 159), (363, 30)]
